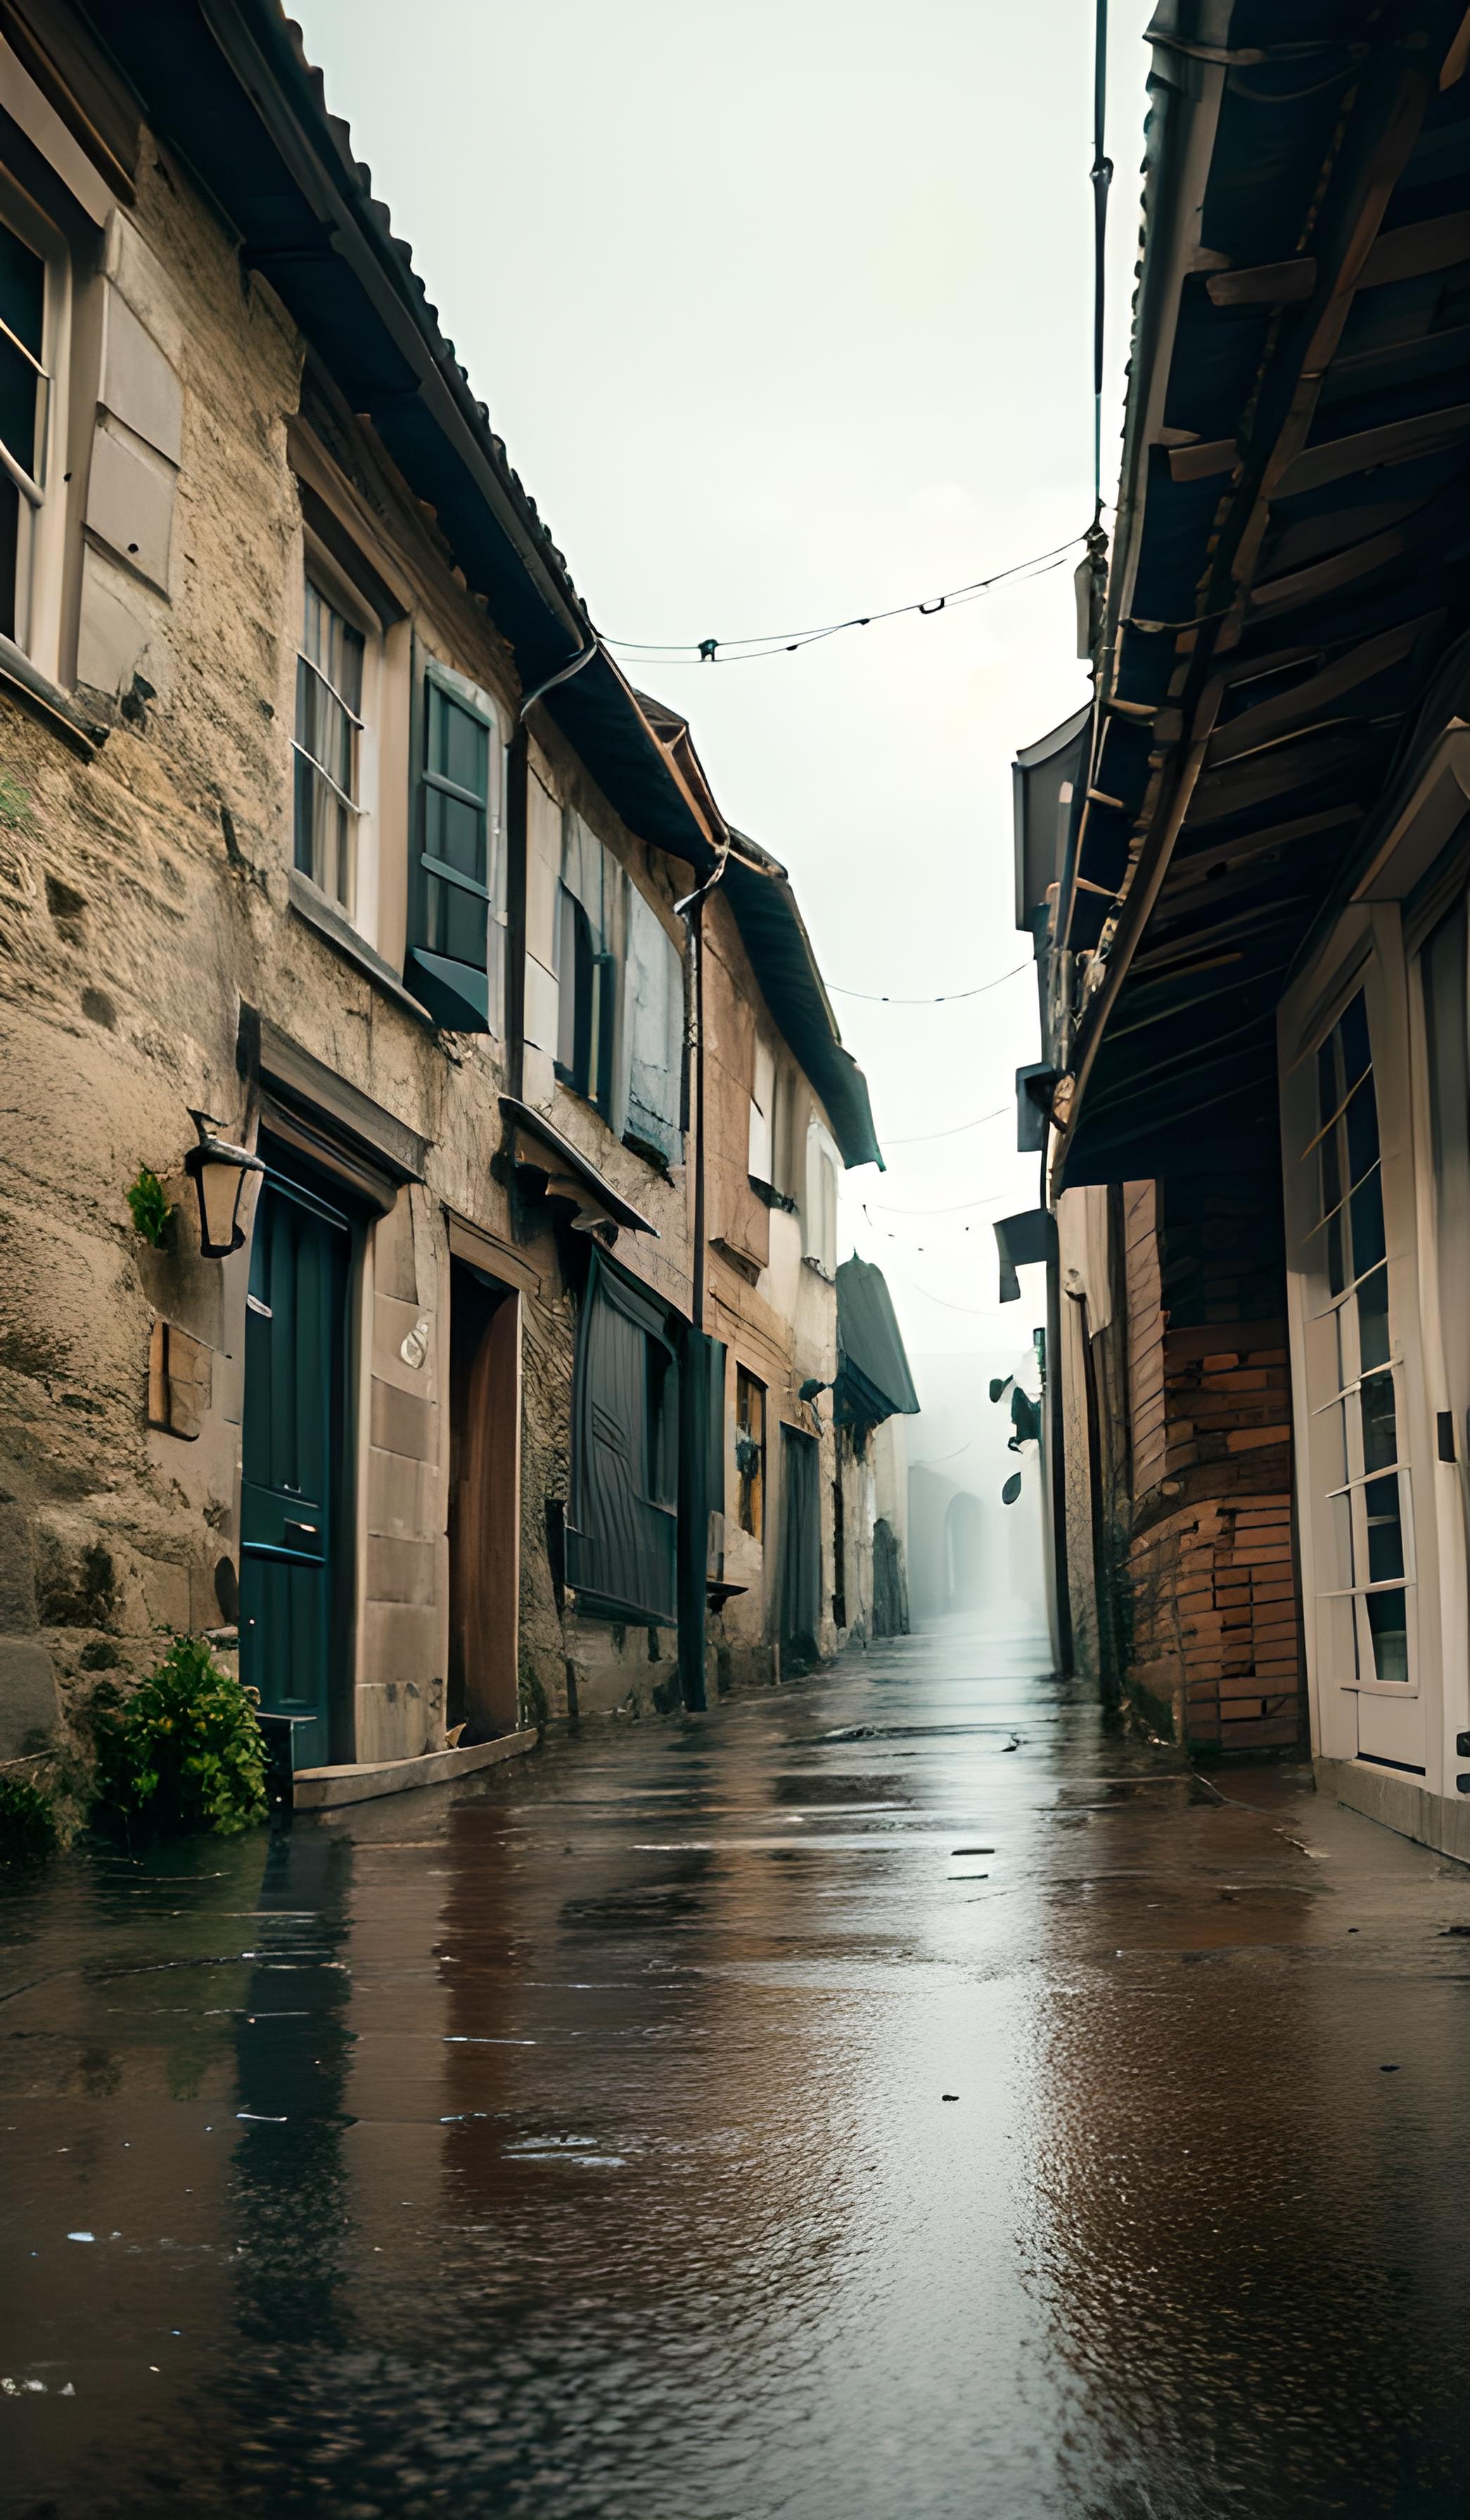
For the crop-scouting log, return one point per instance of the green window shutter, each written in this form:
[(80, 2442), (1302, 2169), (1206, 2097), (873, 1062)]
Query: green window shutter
[(456, 958), (586, 978)]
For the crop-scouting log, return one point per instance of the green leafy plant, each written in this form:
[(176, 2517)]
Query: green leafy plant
[(184, 1751), (151, 1208), (28, 1827), (15, 806)]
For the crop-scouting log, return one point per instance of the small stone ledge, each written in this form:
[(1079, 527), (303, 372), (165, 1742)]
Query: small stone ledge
[(328, 1788), (1401, 1803)]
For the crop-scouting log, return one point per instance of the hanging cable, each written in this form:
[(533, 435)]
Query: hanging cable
[(886, 1207), (950, 998), (927, 1136), (772, 642), (981, 1311), (1102, 177)]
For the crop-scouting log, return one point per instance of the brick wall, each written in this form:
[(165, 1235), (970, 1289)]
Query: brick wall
[(1216, 1652), (1146, 1326)]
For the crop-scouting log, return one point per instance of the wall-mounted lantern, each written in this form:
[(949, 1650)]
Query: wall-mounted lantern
[(219, 1172)]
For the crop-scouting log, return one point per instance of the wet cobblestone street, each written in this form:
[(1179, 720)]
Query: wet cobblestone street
[(885, 2096)]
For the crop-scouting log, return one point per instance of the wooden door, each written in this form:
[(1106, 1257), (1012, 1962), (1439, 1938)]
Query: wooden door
[(484, 1503), (801, 1543), (291, 1491)]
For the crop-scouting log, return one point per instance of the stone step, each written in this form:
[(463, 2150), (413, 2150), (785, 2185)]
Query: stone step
[(327, 1789)]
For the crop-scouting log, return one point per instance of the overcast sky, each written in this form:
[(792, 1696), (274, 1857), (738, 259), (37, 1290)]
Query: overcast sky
[(783, 308)]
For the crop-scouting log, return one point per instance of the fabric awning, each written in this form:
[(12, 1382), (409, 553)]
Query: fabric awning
[(873, 1378)]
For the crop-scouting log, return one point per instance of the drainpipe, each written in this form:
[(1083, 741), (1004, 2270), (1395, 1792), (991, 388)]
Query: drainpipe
[(563, 674), (697, 949), (517, 770), (1055, 1449), (694, 1380)]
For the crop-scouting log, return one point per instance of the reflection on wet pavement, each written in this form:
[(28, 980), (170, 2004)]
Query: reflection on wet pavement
[(578, 2146)]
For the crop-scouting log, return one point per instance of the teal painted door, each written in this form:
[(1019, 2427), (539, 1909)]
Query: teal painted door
[(290, 1534)]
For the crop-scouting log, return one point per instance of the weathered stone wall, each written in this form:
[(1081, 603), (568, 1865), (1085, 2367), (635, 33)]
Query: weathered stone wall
[(147, 894), (774, 1310), (153, 923), (124, 933)]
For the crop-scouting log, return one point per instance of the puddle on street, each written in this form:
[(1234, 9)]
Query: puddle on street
[(729, 2121)]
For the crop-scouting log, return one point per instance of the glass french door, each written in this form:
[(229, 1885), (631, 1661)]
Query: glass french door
[(1359, 1518), (1445, 974)]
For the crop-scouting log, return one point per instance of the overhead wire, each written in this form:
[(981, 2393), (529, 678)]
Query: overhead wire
[(927, 1136), (988, 1198), (979, 1309), (771, 643), (947, 998)]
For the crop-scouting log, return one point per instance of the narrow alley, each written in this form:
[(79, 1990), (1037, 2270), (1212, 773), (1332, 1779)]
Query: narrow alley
[(890, 2093)]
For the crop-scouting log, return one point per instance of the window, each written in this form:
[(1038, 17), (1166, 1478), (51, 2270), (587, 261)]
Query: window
[(456, 964), (819, 1219), (329, 680), (762, 1155), (749, 1450), (33, 314), (584, 1014), (623, 1525), (653, 997), (1358, 1450)]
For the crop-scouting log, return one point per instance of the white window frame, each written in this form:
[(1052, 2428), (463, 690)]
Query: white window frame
[(331, 581), (762, 1157), (819, 1206), (41, 537), (1366, 955)]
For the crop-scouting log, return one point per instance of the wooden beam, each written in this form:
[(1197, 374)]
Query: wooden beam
[(1203, 462), (1235, 930), (1326, 576), (1273, 717), (1396, 441), (1269, 284), (1302, 827), (1406, 253)]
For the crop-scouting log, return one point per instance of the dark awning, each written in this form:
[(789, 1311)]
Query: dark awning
[(1020, 1242), (536, 1146), (873, 1380)]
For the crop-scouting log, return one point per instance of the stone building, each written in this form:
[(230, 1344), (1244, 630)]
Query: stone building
[(343, 875)]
